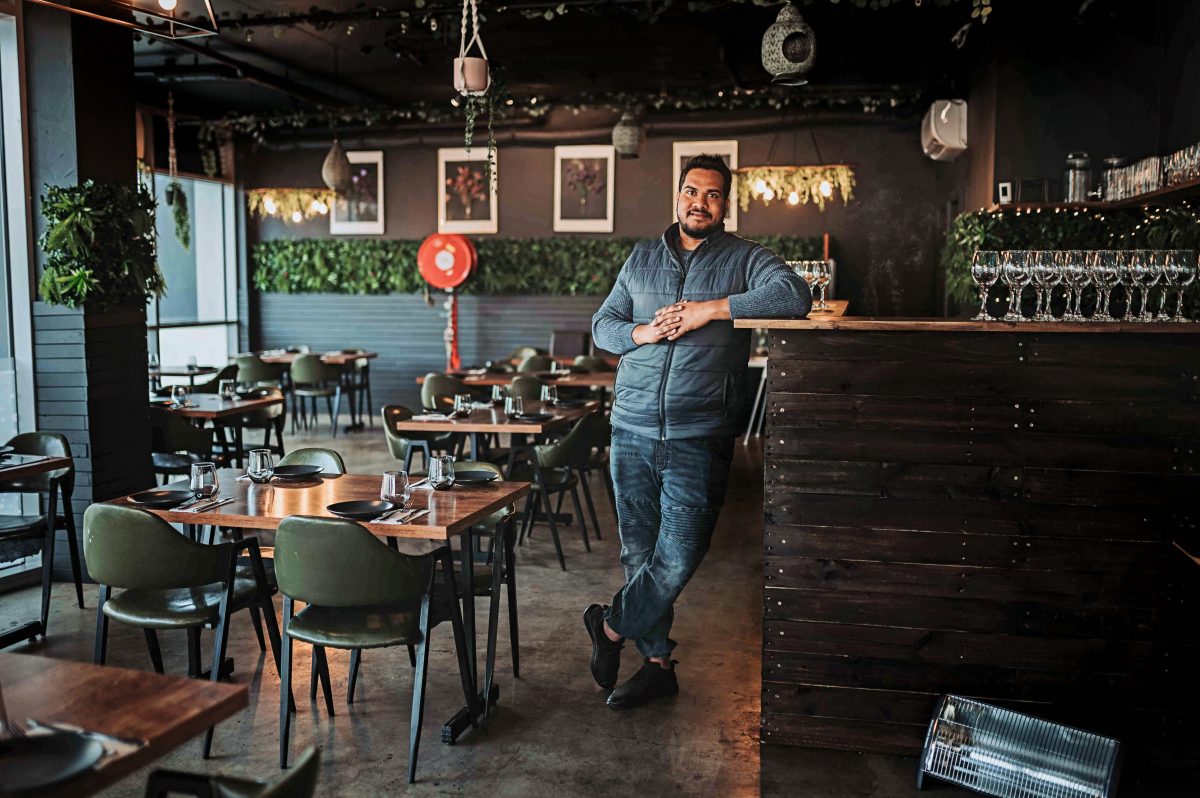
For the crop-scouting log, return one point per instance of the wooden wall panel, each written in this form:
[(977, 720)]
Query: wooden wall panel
[(983, 513)]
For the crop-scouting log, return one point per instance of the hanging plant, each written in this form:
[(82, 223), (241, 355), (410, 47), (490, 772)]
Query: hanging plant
[(796, 185), (100, 246), (175, 195), (474, 81)]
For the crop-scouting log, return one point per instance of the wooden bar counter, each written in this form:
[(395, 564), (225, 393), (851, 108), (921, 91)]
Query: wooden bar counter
[(981, 508)]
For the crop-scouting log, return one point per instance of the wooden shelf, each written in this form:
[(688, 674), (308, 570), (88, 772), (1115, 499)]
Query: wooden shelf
[(1151, 198)]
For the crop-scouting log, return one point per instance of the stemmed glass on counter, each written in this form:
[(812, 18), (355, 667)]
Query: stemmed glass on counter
[(817, 274), (1140, 273)]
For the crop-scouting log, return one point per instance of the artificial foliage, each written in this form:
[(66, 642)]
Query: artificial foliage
[(558, 266), (100, 246), (177, 198), (796, 185), (1174, 226), (291, 205)]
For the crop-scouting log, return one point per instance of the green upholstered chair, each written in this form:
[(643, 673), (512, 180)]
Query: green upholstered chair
[(251, 370), (590, 363), (527, 387), (229, 372), (438, 391), (166, 581), (269, 420), (299, 782), (176, 443), (361, 594), (404, 444), (22, 535), (600, 439), (536, 363), (522, 352), (313, 379), (328, 459)]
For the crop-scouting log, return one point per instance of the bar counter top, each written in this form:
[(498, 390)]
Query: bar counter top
[(872, 323)]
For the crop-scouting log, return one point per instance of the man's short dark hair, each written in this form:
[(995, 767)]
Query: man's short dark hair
[(713, 163)]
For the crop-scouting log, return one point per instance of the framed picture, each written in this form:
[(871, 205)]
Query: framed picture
[(583, 189), (360, 209), (684, 151), (466, 201)]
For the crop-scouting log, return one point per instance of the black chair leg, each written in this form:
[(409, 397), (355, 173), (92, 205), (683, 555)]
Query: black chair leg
[(587, 495), (355, 661), (553, 528), (219, 647), (285, 685), (412, 655), (101, 647), (48, 555), (579, 512), (408, 458), (258, 630), (526, 516), (193, 643), (155, 651), (418, 698), (73, 546), (337, 408), (510, 574), (323, 673)]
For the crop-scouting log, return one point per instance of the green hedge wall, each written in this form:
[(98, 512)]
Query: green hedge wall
[(1170, 227), (555, 266)]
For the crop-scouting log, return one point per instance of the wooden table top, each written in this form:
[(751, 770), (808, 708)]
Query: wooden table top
[(593, 379), (872, 324), (334, 358), (183, 371), (29, 469), (493, 420), (165, 711), (264, 506), (210, 406)]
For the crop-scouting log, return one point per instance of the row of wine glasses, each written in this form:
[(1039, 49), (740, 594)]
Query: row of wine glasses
[(1137, 271), (817, 274), (1134, 180)]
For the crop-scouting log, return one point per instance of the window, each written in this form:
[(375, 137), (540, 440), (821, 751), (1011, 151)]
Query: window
[(198, 315)]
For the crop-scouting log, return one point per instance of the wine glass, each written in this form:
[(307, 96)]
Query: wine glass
[(1179, 268), (821, 278), (1015, 274), (441, 472), (1074, 276), (1126, 263), (179, 395), (550, 394), (462, 405), (513, 406), (1047, 275), (1146, 271), (261, 466), (803, 268), (1105, 269), (395, 488), (985, 270), (204, 483)]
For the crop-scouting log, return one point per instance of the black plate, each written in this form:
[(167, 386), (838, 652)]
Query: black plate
[(360, 510), (535, 417), (161, 498), (31, 765), (297, 471), (472, 477), (571, 402), (6, 449)]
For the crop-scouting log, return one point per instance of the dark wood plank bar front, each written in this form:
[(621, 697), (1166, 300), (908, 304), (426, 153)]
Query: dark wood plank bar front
[(984, 509)]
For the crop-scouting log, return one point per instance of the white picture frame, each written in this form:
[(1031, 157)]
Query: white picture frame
[(583, 188), (360, 210), (473, 207), (682, 151)]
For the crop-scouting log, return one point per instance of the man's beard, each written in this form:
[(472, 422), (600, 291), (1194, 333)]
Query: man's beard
[(686, 222)]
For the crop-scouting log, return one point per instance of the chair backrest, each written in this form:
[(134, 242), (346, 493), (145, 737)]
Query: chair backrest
[(570, 343), (297, 349), (396, 440), (229, 372), (300, 781), (50, 444), (439, 390), (265, 415), (251, 370), (536, 363), (327, 459), (526, 387), (575, 448), (172, 433), (592, 363), (335, 563), (522, 352), (307, 369), (129, 548)]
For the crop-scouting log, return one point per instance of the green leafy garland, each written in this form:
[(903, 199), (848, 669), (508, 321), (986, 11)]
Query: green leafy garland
[(1167, 227), (558, 266), (177, 198), (100, 246)]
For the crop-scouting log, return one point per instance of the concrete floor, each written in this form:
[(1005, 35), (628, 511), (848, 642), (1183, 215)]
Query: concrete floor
[(552, 732)]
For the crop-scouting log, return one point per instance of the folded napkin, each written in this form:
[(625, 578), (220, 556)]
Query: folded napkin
[(401, 518), (431, 417)]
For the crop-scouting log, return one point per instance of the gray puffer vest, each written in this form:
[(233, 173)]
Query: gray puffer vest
[(693, 387)]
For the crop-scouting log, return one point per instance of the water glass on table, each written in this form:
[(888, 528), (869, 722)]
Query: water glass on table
[(441, 472), (179, 396), (550, 394), (227, 389), (462, 405), (192, 364), (498, 394), (204, 483), (395, 488), (513, 406), (261, 466)]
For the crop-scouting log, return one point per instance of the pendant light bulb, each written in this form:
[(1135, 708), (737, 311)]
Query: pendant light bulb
[(269, 204), (760, 186), (168, 5), (826, 188), (793, 198), (768, 195)]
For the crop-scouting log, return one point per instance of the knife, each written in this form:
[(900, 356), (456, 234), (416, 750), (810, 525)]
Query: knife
[(203, 508)]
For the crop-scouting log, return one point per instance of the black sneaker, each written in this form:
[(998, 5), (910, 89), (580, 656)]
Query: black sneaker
[(606, 655), (650, 682)]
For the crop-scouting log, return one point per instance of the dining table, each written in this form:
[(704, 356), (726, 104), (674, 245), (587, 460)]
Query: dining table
[(143, 715), (191, 372), (212, 407), (451, 513), (19, 466), (603, 381)]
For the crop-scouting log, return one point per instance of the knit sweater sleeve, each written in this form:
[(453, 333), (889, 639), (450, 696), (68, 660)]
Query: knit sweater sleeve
[(773, 290), (612, 326)]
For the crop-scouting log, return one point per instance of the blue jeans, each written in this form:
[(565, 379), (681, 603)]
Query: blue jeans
[(668, 496)]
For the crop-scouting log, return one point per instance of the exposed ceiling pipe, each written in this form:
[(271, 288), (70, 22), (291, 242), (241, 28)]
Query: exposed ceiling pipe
[(451, 137)]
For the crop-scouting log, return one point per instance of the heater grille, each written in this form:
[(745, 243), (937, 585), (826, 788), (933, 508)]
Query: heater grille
[(1010, 755)]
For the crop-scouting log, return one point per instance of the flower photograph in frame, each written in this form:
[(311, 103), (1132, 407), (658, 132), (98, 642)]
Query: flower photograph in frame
[(466, 198), (583, 188), (684, 151), (359, 211)]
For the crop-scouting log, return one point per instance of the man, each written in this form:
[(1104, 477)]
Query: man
[(679, 394)]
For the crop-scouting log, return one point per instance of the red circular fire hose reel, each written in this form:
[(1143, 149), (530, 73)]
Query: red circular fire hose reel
[(446, 260)]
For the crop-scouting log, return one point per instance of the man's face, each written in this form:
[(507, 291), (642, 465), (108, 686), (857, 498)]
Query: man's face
[(700, 204)]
